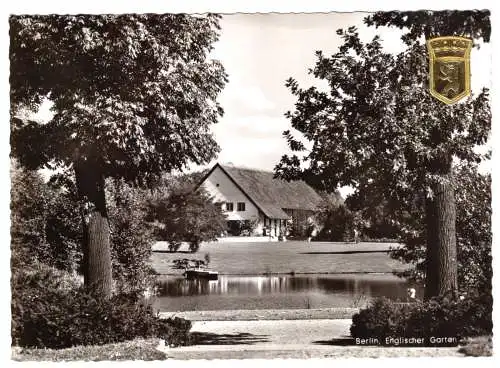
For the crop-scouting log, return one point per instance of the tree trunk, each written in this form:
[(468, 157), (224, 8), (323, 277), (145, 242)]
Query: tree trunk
[(432, 247), (442, 273), (96, 244)]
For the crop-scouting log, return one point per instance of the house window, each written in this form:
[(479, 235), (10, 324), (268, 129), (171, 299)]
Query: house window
[(229, 206), (241, 206)]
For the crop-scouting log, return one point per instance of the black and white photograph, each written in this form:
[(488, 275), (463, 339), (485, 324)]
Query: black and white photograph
[(250, 185)]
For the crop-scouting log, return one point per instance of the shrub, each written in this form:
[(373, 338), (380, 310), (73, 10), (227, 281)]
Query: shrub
[(31, 288), (185, 263), (473, 232), (63, 229), (382, 318), (46, 225), (29, 203), (439, 316), (187, 216), (242, 227), (48, 314), (471, 316), (336, 223), (132, 238)]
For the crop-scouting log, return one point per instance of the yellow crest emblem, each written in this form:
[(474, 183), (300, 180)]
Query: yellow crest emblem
[(449, 68)]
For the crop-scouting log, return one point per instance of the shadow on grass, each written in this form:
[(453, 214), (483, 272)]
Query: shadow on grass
[(242, 338), (173, 251), (349, 252), (342, 341)]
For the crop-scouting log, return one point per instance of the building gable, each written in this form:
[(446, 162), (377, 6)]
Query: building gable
[(268, 194), (223, 189)]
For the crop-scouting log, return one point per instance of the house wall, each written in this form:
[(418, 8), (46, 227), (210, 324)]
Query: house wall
[(259, 230), (276, 227), (222, 189)]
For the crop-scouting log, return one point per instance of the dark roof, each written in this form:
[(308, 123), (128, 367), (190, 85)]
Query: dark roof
[(272, 195)]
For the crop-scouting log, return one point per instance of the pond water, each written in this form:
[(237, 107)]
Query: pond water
[(277, 292)]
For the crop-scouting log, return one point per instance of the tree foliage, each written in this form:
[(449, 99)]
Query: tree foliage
[(132, 96), (132, 237), (242, 227), (376, 127), (64, 229), (45, 223), (29, 203), (136, 88), (430, 23), (378, 217), (474, 231), (334, 220), (336, 224), (474, 236), (46, 228), (189, 216)]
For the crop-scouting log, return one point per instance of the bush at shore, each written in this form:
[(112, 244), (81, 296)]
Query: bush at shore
[(440, 316), (52, 312)]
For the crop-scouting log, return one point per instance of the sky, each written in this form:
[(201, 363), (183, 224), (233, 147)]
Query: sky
[(261, 51)]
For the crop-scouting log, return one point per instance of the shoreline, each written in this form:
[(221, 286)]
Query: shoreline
[(264, 314), (393, 273)]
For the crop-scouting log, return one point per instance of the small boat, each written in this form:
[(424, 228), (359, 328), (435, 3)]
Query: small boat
[(200, 273)]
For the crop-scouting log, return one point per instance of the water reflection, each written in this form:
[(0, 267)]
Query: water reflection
[(390, 287)]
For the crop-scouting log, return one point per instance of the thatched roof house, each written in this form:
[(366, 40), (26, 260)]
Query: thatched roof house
[(255, 195)]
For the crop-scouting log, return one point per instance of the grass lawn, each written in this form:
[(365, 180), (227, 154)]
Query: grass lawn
[(138, 349), (285, 257)]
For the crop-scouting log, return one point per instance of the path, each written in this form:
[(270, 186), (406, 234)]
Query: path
[(300, 339)]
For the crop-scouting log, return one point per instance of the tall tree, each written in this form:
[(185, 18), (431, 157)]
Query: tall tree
[(473, 202), (441, 212), (378, 129), (133, 96)]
